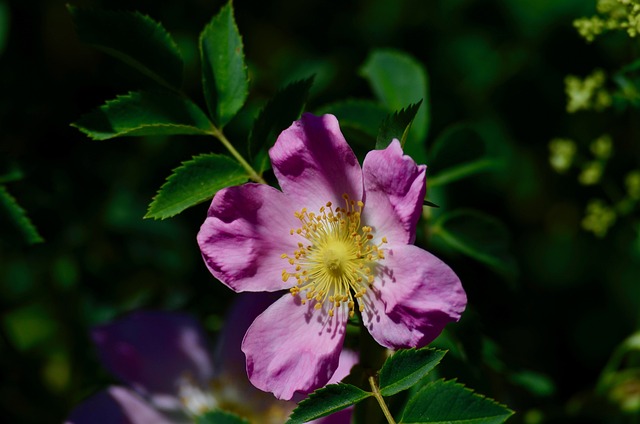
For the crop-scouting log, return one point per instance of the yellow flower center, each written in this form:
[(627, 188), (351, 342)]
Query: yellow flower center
[(337, 264)]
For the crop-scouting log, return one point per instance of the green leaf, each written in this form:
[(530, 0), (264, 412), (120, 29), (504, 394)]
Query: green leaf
[(144, 113), (5, 24), (397, 125), (17, 218), (458, 152), (448, 402), (278, 114), (361, 118), (397, 79), (195, 181), (220, 417), (406, 367), (429, 203), (134, 38), (479, 236), (224, 74), (327, 400)]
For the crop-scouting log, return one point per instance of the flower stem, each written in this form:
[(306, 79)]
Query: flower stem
[(380, 399), (253, 175)]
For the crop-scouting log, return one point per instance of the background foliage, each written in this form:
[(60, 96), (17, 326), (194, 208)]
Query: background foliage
[(549, 302)]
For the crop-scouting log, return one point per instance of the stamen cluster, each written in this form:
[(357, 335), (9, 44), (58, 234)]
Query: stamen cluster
[(338, 262)]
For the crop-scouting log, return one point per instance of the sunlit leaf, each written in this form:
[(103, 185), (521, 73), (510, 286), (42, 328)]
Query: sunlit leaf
[(406, 367), (134, 38), (16, 218), (144, 113), (224, 74), (397, 125), (327, 400), (195, 181), (397, 79), (478, 235), (448, 402)]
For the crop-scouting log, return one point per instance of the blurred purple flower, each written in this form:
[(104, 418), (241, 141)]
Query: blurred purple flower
[(338, 236), (173, 376)]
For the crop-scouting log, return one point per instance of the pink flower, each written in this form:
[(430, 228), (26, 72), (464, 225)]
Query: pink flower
[(173, 376), (338, 237)]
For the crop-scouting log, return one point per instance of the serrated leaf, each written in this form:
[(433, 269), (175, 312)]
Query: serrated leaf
[(279, 112), (224, 74), (397, 125), (406, 367), (195, 181), (17, 218), (326, 401), (220, 417), (397, 79), (134, 38), (457, 153), (448, 402), (144, 113), (478, 235)]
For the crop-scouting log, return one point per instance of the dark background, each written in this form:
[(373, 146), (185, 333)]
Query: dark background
[(500, 63)]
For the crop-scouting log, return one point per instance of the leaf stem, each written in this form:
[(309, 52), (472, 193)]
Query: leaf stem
[(380, 399), (253, 175)]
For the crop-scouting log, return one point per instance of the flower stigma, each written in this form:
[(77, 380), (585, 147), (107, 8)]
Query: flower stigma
[(337, 264)]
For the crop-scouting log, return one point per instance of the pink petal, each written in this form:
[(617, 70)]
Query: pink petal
[(413, 297), (115, 405), (394, 188), (245, 234), (314, 164), (292, 347), (153, 352), (348, 358)]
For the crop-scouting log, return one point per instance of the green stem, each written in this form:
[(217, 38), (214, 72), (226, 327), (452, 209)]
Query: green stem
[(253, 175), (380, 399)]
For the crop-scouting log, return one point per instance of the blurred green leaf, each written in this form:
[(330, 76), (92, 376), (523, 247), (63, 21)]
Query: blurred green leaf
[(397, 79), (397, 125), (224, 74), (13, 173), (134, 38), (326, 401), (144, 113), (17, 218), (450, 402), (278, 114), (362, 117), (478, 235), (30, 325), (458, 152), (406, 367), (5, 24), (194, 182), (220, 417)]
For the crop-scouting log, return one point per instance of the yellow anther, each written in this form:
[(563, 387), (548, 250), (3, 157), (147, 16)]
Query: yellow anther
[(334, 266)]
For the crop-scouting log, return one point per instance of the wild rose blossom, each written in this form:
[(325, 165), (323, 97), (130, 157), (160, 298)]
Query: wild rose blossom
[(338, 237), (172, 375)]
